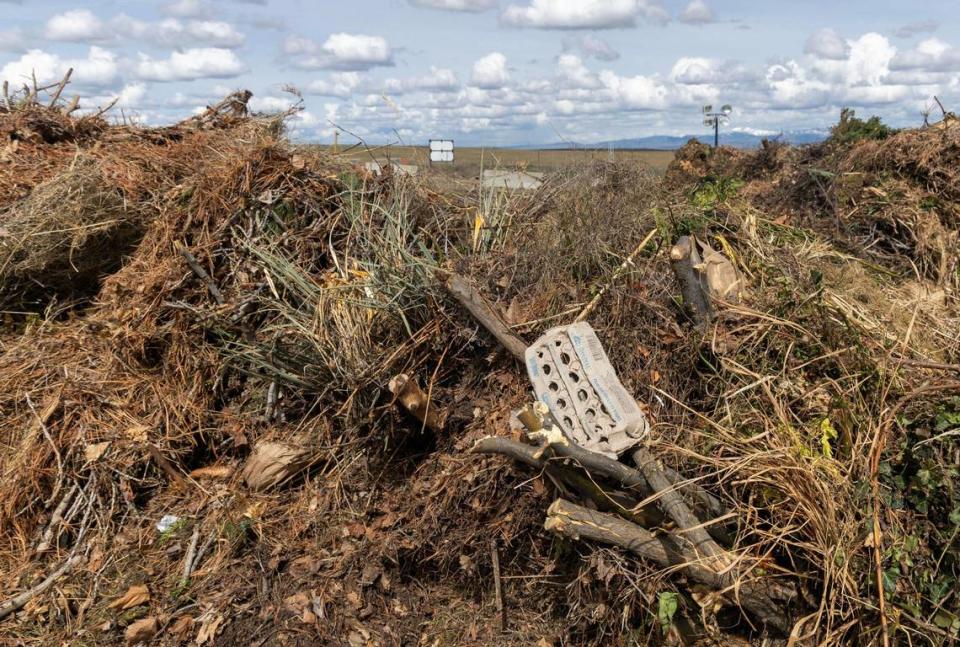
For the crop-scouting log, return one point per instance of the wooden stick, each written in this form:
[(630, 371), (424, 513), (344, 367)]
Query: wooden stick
[(672, 503), (501, 608), (165, 465), (56, 519), (191, 555), (576, 522), (468, 296), (616, 275), (16, 603), (60, 86), (201, 273)]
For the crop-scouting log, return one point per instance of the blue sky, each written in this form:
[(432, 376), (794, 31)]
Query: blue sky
[(496, 72)]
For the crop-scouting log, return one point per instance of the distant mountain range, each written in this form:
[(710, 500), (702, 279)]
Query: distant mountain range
[(672, 142)]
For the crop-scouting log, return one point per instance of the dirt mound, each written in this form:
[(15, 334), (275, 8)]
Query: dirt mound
[(214, 445)]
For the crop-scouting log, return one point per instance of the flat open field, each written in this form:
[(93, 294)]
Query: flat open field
[(469, 160)]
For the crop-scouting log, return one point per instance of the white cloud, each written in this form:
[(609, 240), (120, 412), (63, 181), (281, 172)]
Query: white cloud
[(636, 92), (191, 64), (697, 12), (930, 55), (176, 33), (457, 5), (98, 69), (827, 43), (583, 14), (437, 80), (591, 46), (490, 71), (187, 8), (340, 51), (574, 73), (708, 71), (77, 25), (339, 84)]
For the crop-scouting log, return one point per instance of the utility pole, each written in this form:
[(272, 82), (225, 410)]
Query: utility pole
[(711, 118)]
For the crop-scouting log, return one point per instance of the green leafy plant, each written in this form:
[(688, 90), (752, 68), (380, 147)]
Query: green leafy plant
[(852, 129), (668, 603)]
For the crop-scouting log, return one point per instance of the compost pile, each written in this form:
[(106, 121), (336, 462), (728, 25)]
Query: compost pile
[(250, 395)]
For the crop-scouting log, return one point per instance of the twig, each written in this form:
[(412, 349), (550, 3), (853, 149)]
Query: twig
[(63, 83), (56, 518), (165, 465), (191, 555), (16, 603), (56, 452), (501, 608), (271, 401), (201, 273), (616, 275), (103, 110)]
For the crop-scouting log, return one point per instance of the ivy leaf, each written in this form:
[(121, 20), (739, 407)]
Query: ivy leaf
[(667, 608)]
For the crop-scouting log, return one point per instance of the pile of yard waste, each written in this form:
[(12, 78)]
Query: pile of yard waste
[(251, 394)]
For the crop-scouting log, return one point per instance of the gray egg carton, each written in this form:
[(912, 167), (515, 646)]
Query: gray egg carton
[(572, 375)]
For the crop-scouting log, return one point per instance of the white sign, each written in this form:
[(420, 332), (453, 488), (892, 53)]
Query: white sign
[(441, 150)]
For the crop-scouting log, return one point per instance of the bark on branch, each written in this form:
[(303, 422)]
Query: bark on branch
[(759, 598)]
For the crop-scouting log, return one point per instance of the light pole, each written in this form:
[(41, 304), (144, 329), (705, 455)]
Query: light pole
[(711, 118)]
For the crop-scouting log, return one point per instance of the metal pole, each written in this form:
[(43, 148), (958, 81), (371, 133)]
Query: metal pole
[(716, 132)]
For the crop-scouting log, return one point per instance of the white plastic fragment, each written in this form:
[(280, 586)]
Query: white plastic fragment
[(167, 522), (572, 375)]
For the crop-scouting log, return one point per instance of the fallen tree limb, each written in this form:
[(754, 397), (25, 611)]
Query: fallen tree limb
[(471, 299), (613, 502), (576, 522), (672, 503)]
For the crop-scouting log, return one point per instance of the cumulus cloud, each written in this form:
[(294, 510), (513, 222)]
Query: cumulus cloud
[(191, 64), (437, 80), (573, 73), (187, 8), (339, 84), (98, 69), (591, 46), (636, 92), (77, 25), (697, 12), (457, 5), (83, 26), (583, 14), (176, 33), (930, 55), (340, 51), (827, 43), (707, 71), (490, 71)]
